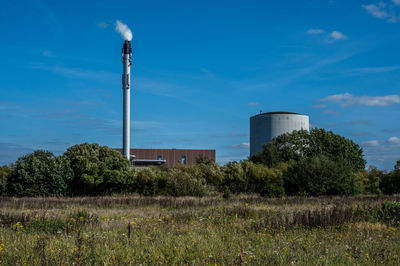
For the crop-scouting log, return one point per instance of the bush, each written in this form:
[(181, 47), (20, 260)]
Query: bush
[(97, 169), (390, 213), (4, 173), (234, 178), (390, 183), (368, 182), (149, 181), (39, 174), (319, 176), (181, 181), (263, 180)]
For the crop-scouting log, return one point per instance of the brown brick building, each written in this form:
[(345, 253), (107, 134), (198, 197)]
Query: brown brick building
[(168, 157)]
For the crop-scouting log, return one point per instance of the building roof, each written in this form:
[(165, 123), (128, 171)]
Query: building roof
[(277, 113)]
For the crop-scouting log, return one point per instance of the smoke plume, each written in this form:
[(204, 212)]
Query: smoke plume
[(124, 30)]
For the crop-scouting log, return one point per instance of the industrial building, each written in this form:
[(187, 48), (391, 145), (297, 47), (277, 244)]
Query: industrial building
[(168, 157), (266, 126)]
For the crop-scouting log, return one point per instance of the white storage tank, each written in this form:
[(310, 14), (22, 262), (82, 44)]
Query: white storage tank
[(266, 126)]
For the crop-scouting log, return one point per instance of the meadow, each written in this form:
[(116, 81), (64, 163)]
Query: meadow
[(240, 230)]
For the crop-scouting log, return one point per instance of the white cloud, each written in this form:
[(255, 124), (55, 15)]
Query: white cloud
[(376, 11), (243, 145), (337, 35), (370, 143), (315, 31), (348, 99), (253, 104), (382, 11), (394, 140)]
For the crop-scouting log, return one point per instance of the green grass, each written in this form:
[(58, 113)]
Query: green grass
[(246, 229)]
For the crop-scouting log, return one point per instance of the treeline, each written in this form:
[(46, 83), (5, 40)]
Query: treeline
[(301, 163)]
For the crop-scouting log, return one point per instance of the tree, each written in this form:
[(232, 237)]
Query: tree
[(4, 173), (390, 183), (299, 144), (39, 174), (97, 169), (319, 175)]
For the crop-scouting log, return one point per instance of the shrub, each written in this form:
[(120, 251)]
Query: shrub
[(368, 182), (149, 181), (4, 173), (390, 183), (180, 181), (39, 174), (97, 169), (263, 180), (234, 178), (390, 212), (319, 176)]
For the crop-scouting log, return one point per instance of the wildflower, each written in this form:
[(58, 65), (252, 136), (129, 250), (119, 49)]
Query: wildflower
[(246, 204), (133, 223), (1, 246)]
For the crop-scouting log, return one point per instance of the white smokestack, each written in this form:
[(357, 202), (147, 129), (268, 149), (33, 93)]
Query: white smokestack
[(124, 30)]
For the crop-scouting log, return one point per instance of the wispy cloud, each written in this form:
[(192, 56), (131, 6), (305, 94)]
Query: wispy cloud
[(384, 152), (319, 106), (9, 152), (102, 24), (315, 31), (331, 112), (373, 70), (361, 122), (80, 73), (253, 104), (348, 99), (383, 11), (370, 143), (208, 73), (376, 11), (337, 35), (47, 53), (243, 145), (330, 37)]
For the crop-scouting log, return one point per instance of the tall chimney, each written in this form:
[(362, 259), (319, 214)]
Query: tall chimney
[(126, 80)]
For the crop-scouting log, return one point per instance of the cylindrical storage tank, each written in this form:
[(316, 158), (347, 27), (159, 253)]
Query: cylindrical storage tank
[(266, 126)]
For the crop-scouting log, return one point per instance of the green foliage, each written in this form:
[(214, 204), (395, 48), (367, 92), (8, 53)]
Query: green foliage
[(369, 181), (97, 169), (39, 174), (390, 213), (319, 175), (184, 181), (4, 173), (390, 183), (265, 181), (298, 144), (150, 181), (235, 179)]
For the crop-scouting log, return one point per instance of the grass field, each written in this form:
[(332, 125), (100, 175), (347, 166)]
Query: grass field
[(245, 229)]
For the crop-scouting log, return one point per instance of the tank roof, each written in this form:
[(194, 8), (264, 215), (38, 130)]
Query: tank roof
[(278, 113)]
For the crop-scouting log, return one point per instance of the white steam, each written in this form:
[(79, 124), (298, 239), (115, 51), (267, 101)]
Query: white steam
[(124, 30)]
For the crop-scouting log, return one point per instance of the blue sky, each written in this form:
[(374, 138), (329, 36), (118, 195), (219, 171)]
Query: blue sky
[(200, 70)]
